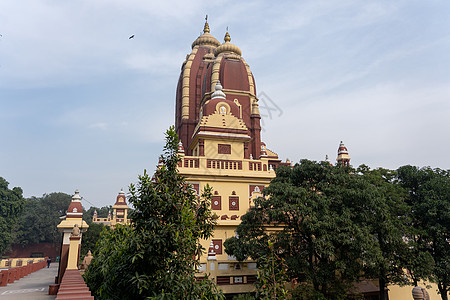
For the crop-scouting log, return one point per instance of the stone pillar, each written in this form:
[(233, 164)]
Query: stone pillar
[(74, 254), (74, 218)]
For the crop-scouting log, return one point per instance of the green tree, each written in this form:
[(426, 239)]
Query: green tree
[(40, 219), (156, 257), (11, 206), (387, 221), (272, 277), (90, 238), (429, 197), (336, 222), (318, 208)]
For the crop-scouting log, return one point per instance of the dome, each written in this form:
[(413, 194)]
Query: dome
[(209, 63), (206, 39), (227, 47)]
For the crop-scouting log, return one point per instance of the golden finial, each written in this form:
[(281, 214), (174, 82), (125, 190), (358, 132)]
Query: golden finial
[(206, 28), (227, 36)]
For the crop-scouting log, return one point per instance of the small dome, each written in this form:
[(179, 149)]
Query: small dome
[(218, 92), (206, 39), (342, 149), (227, 47), (76, 197)]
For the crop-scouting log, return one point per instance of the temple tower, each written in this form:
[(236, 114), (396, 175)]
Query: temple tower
[(218, 121), (208, 63), (120, 210), (119, 214), (343, 158)]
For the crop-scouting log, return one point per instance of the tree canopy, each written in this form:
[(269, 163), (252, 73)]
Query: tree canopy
[(40, 218), (429, 198), (90, 238), (328, 223), (156, 256), (11, 206)]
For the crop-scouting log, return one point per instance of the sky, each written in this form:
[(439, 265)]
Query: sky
[(84, 107)]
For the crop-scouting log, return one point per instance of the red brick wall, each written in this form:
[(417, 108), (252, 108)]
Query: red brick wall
[(47, 249)]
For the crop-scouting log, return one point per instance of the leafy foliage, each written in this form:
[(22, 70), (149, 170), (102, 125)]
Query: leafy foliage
[(247, 296), (40, 217), (272, 278), (429, 197), (155, 258), (333, 223), (388, 225), (90, 238), (11, 206)]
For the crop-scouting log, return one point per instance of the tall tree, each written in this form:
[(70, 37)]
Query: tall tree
[(91, 236), (11, 206), (40, 217), (156, 257), (272, 277), (429, 197), (386, 219), (317, 208), (333, 223)]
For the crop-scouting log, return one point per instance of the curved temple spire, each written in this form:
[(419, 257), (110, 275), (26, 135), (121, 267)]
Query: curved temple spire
[(206, 27), (227, 37)]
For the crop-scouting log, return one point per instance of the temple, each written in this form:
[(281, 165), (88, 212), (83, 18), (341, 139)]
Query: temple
[(217, 119), (119, 213)]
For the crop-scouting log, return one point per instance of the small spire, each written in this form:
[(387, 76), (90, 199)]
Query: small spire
[(206, 27), (76, 197), (218, 93), (211, 252), (227, 37), (180, 147)]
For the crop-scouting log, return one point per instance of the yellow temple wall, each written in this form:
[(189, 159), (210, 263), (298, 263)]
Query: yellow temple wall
[(397, 292)]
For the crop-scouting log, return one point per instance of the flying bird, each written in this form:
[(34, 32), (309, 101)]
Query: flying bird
[(131, 37)]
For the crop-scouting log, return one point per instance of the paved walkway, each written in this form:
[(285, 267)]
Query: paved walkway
[(31, 287)]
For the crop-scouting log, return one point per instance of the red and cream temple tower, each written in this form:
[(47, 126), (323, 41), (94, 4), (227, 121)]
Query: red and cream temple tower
[(218, 121)]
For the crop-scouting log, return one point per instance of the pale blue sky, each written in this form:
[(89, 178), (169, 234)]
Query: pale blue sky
[(83, 107)]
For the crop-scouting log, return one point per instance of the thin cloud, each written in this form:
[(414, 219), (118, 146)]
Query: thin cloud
[(100, 125)]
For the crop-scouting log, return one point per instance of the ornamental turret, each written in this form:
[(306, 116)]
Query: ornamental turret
[(343, 158), (120, 210)]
